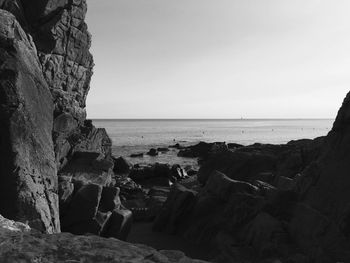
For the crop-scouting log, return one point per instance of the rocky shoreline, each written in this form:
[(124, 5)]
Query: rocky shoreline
[(65, 198)]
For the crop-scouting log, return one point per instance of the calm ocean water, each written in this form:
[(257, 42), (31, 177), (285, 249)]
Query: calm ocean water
[(135, 136)]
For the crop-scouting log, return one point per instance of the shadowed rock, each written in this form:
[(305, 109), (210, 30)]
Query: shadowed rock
[(28, 176)]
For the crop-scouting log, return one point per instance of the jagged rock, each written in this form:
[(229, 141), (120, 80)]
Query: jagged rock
[(83, 207), (64, 123), (89, 167), (285, 183), (20, 244), (118, 224), (121, 166), (28, 181), (175, 210), (65, 193), (266, 234), (221, 186), (109, 199), (249, 162), (321, 222)]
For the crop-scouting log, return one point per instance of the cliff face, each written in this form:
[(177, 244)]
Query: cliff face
[(45, 69), (322, 224), (28, 175)]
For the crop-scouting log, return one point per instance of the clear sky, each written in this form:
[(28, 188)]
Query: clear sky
[(219, 58)]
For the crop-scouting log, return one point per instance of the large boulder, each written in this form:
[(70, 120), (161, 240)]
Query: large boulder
[(89, 167), (28, 176), (20, 244), (176, 209)]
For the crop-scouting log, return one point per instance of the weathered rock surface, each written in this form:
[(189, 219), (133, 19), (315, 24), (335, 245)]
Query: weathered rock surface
[(248, 163), (321, 222), (28, 175), (20, 244)]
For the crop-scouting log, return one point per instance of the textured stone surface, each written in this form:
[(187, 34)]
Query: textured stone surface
[(323, 220), (28, 186), (20, 244)]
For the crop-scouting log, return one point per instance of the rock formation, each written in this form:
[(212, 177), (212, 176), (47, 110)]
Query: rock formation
[(48, 146), (28, 175), (21, 244)]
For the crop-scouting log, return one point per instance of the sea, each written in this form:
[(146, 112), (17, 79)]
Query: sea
[(132, 136)]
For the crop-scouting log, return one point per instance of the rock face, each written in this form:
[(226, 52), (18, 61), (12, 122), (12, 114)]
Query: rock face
[(28, 175), (45, 72), (20, 244), (321, 222)]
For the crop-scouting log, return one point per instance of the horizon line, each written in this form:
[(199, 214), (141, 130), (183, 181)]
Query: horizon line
[(209, 119)]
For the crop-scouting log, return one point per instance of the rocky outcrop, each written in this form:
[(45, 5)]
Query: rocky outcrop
[(45, 134), (28, 175), (321, 221), (20, 244), (251, 162)]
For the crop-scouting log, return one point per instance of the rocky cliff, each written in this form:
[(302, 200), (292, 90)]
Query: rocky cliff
[(45, 72), (28, 174)]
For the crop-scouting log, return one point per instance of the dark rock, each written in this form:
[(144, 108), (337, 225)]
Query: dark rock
[(176, 146), (266, 234), (28, 181), (136, 155), (202, 150), (285, 183), (118, 225), (65, 193), (234, 145), (163, 149), (152, 152), (20, 244), (175, 210), (109, 199), (221, 186), (64, 123), (249, 162), (157, 174), (191, 172), (82, 208), (121, 166), (178, 173)]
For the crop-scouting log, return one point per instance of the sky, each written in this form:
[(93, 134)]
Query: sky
[(219, 58)]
